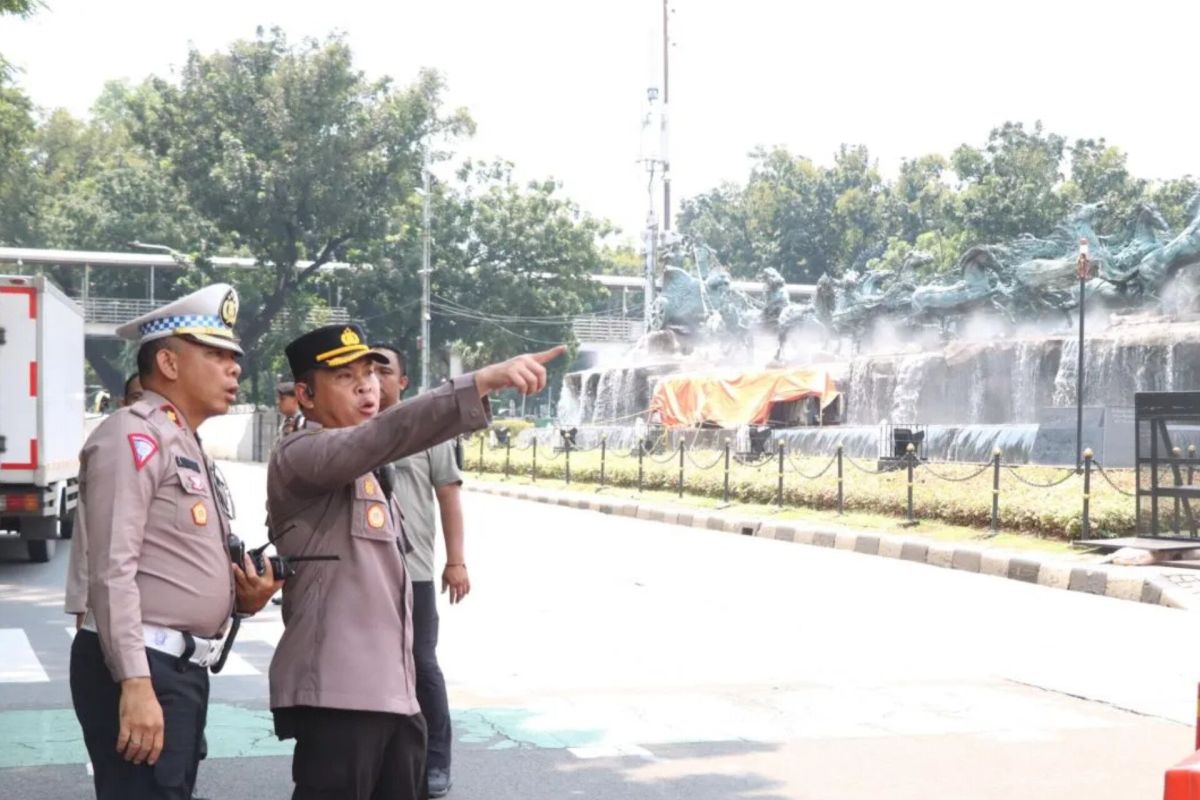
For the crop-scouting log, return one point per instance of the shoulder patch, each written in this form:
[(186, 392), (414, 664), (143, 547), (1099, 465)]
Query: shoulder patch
[(143, 447)]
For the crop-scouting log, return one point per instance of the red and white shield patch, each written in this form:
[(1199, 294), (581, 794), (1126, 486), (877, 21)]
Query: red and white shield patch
[(144, 447)]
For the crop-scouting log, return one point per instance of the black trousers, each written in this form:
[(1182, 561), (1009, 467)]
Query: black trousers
[(431, 684), (357, 755), (182, 691)]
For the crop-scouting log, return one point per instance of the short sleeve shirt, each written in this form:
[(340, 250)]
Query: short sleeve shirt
[(416, 479)]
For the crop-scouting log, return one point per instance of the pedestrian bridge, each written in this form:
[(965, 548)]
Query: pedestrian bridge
[(103, 315)]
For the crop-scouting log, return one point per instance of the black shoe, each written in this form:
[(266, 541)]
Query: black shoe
[(439, 782)]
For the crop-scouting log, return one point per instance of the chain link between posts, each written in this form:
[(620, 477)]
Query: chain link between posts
[(952, 478), (1035, 484), (796, 468), (1104, 474)]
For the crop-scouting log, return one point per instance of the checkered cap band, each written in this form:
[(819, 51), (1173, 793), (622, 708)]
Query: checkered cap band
[(168, 324)]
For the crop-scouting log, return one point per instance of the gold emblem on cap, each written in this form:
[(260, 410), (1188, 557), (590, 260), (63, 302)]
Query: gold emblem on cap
[(229, 309), (350, 338)]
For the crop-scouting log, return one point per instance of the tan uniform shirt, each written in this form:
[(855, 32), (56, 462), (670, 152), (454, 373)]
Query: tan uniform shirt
[(153, 534), (347, 640)]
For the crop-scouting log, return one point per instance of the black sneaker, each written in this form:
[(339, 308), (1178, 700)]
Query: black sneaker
[(439, 782)]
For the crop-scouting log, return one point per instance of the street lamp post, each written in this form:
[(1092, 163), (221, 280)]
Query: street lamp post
[(1082, 271)]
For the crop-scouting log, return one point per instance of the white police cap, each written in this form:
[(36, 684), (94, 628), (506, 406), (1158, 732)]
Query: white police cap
[(206, 315)]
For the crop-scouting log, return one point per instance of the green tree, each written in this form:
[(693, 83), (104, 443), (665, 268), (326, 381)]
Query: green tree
[(920, 198), (1010, 186), (17, 207), (719, 218), (511, 267), (790, 206), (860, 222), (293, 155), (22, 8), (1099, 174), (1172, 199)]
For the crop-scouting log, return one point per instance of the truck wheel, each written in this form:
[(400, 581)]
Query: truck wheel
[(66, 519), (40, 550)]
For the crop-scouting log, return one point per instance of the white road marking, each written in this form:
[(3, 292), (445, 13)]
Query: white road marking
[(610, 751), (265, 632), (18, 662), (236, 665)]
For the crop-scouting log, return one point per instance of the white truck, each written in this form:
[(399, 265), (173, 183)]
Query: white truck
[(41, 411)]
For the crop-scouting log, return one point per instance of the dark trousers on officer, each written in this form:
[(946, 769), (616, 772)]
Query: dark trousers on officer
[(431, 685), (355, 755), (182, 691)]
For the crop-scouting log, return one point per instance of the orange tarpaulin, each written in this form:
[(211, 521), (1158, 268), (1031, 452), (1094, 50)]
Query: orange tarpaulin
[(734, 399)]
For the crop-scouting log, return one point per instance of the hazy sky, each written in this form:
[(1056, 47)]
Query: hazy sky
[(558, 86)]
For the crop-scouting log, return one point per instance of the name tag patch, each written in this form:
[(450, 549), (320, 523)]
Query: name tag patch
[(187, 463)]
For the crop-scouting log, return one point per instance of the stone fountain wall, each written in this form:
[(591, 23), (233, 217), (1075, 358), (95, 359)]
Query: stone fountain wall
[(1013, 380)]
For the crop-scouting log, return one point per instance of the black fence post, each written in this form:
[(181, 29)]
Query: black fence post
[(481, 437), (1178, 454), (567, 462), (1087, 491), (996, 455), (507, 456), (1191, 463), (725, 491), (533, 467), (779, 487), (911, 459), (841, 475), (681, 455), (603, 456), (641, 455)]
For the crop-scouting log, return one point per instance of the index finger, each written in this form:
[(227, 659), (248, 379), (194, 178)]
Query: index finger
[(547, 356)]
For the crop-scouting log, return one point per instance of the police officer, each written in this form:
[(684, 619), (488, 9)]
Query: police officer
[(289, 409), (342, 678), (160, 588)]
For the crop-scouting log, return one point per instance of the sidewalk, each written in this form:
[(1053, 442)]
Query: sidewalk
[(1160, 585)]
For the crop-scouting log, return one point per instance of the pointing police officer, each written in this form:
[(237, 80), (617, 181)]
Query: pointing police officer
[(342, 678), (160, 587)]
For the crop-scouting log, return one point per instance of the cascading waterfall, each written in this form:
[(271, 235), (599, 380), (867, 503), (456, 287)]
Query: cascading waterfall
[(910, 382), (1026, 368), (971, 396)]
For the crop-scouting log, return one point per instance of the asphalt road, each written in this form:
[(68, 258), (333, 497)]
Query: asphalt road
[(605, 657)]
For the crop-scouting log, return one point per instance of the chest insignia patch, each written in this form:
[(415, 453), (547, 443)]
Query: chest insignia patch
[(369, 487), (376, 516), (143, 448), (199, 514), (196, 483)]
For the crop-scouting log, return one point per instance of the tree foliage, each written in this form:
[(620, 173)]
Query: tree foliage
[(805, 219), (288, 155)]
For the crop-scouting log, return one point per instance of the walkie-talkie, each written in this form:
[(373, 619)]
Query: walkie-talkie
[(281, 566)]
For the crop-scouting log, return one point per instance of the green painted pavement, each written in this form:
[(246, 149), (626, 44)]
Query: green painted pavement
[(52, 736)]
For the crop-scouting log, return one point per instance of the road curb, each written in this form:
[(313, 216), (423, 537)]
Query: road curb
[(1173, 588)]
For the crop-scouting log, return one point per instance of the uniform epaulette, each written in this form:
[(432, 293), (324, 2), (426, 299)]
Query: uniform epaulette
[(161, 416)]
